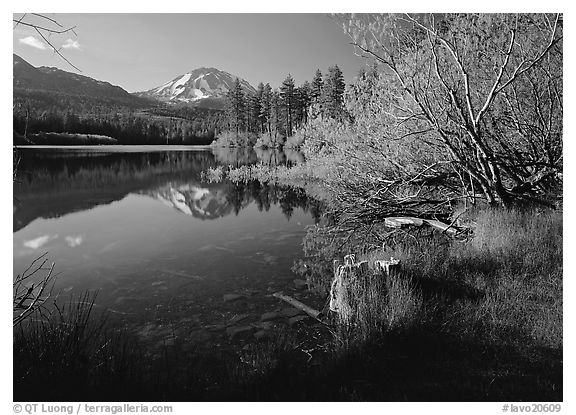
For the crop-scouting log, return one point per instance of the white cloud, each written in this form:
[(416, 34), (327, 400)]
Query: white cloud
[(71, 44), (39, 242), (74, 241), (32, 41)]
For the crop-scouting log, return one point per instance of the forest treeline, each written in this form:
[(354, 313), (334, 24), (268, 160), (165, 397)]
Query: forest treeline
[(149, 123), (270, 116), (283, 110)]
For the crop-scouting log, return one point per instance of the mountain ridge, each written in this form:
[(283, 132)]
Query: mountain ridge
[(49, 79), (204, 87)]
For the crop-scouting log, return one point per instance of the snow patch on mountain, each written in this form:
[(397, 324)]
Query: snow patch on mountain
[(181, 82)]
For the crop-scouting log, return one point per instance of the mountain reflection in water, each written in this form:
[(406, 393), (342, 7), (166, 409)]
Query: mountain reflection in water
[(53, 184)]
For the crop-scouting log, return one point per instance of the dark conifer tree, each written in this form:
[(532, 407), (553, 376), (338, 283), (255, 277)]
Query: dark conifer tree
[(275, 113), (304, 102), (288, 96), (265, 109), (332, 98), (255, 107), (236, 107), (317, 84)]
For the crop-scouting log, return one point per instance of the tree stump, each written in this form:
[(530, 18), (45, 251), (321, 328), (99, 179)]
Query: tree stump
[(388, 267), (352, 280)]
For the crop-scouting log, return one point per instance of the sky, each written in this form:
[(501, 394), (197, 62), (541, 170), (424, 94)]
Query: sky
[(141, 51)]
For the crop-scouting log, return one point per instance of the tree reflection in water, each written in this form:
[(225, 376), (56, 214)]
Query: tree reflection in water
[(55, 183)]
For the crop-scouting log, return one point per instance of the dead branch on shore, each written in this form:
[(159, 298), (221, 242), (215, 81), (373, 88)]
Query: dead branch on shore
[(30, 297), (315, 314)]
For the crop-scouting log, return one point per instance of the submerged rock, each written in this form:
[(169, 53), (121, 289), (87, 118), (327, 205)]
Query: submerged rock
[(240, 332), (263, 325), (199, 336), (300, 283), (193, 319), (273, 315), (291, 312), (164, 342), (215, 327), (295, 320), (237, 319), (228, 298), (262, 335), (152, 330)]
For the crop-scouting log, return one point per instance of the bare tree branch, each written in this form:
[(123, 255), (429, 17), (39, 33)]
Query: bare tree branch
[(44, 32)]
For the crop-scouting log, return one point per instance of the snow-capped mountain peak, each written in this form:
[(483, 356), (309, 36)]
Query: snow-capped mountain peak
[(196, 86)]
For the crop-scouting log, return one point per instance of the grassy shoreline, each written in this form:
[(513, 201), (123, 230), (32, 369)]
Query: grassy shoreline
[(115, 148)]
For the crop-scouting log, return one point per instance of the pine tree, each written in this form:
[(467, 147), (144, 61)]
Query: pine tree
[(265, 109), (236, 107), (255, 107), (275, 114), (304, 102), (332, 97), (288, 96), (317, 84), (247, 113)]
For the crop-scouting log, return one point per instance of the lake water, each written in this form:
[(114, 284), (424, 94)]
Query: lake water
[(170, 256)]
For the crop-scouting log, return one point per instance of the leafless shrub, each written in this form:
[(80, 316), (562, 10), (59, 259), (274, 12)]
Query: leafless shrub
[(30, 293)]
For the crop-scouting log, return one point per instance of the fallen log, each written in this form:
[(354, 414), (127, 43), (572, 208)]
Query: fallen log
[(297, 304), (402, 221), (448, 229), (405, 221)]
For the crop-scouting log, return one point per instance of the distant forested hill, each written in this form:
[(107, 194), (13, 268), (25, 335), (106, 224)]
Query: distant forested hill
[(52, 100)]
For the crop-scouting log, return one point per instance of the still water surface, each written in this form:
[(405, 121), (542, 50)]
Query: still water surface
[(160, 246)]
